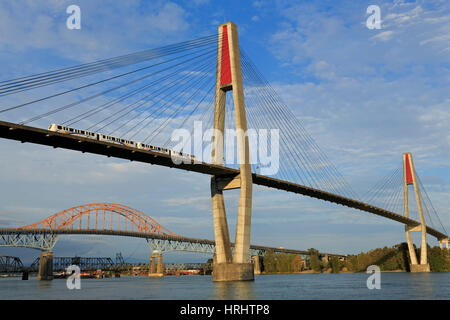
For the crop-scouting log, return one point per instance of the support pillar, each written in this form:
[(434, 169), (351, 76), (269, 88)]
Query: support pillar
[(256, 265), (45, 266), (409, 177), (156, 266), (160, 266), (230, 267)]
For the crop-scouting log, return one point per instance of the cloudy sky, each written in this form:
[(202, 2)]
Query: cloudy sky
[(365, 95)]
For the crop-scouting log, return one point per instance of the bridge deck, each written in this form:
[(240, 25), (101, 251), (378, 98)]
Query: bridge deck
[(137, 234), (58, 140)]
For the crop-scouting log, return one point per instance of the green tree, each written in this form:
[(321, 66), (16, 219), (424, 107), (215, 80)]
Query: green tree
[(335, 264), (269, 262), (297, 263), (314, 260)]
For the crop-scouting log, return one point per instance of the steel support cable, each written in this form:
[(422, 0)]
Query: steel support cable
[(164, 106), (283, 140), (96, 110), (305, 134), (86, 86), (290, 145), (192, 112), (263, 104), (426, 200), (397, 203), (133, 117), (382, 191), (160, 129), (425, 209), (65, 107), (62, 70), (281, 124), (259, 79), (388, 190), (161, 101), (374, 191), (431, 204), (431, 222), (208, 121), (386, 183), (167, 144), (428, 209), (392, 198), (255, 119), (180, 108), (273, 100), (211, 115), (96, 67), (255, 115), (163, 89), (53, 81), (378, 184), (387, 194), (123, 97)]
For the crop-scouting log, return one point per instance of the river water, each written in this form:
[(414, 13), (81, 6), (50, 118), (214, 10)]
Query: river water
[(265, 287)]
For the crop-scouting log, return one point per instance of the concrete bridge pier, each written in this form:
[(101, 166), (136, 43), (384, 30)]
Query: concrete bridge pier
[(156, 265), (256, 265), (409, 178), (45, 266), (230, 267)]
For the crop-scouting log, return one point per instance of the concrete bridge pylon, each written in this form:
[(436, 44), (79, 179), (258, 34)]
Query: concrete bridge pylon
[(409, 177), (228, 266)]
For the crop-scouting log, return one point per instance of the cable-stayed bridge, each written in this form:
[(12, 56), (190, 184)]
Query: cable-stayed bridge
[(151, 105)]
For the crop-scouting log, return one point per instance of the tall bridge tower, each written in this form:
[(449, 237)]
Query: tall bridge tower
[(228, 267), (409, 177)]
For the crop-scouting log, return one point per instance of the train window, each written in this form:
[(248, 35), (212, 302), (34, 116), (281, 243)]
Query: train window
[(59, 127), (71, 130), (82, 132)]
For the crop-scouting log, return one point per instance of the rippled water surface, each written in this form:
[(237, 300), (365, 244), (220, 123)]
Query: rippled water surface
[(284, 287)]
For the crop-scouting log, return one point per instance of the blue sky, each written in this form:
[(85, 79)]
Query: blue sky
[(365, 96)]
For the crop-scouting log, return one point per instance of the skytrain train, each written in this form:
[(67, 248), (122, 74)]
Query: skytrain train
[(128, 143)]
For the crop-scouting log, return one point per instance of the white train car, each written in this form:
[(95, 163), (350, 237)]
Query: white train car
[(111, 139), (148, 147), (72, 131), (124, 142)]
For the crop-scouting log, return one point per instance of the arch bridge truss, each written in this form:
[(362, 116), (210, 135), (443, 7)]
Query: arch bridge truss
[(116, 220)]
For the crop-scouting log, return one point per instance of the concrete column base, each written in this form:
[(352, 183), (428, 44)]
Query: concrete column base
[(45, 271), (233, 272), (256, 265), (420, 267), (156, 275)]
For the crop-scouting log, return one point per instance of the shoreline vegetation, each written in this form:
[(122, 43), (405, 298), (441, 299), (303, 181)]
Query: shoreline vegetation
[(394, 259)]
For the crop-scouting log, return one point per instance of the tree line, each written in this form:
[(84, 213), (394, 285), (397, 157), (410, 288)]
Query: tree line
[(395, 258)]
